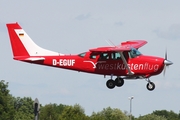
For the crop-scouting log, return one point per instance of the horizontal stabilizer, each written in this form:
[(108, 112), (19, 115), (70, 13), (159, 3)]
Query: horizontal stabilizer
[(30, 59), (35, 59)]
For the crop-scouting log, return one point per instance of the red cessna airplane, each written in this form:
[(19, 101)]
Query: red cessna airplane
[(123, 61)]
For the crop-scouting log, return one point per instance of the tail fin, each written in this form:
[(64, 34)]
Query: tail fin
[(22, 45)]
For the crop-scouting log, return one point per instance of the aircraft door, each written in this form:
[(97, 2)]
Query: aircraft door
[(116, 63)]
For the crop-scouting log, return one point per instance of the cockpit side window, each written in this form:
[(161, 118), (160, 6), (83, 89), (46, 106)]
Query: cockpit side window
[(134, 53), (93, 56), (82, 54)]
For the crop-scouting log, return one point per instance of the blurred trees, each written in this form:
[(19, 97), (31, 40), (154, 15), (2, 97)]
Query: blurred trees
[(75, 112), (160, 115), (62, 112), (16, 108), (109, 114), (6, 102), (23, 108), (12, 108), (169, 115), (151, 117), (49, 112)]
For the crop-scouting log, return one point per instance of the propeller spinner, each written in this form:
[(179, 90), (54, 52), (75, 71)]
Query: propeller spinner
[(166, 62)]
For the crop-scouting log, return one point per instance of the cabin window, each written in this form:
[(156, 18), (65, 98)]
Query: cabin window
[(82, 54), (115, 56), (104, 56)]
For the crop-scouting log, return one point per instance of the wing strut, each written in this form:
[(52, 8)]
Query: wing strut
[(126, 65)]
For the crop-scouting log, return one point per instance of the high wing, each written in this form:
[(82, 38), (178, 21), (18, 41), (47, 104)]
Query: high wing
[(125, 46)]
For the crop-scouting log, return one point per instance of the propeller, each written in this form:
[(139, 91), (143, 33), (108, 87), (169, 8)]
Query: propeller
[(166, 63)]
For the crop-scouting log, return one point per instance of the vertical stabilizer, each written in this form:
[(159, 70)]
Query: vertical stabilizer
[(23, 45)]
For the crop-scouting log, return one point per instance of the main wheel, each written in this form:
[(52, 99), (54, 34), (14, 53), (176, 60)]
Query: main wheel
[(119, 82), (110, 84), (150, 86)]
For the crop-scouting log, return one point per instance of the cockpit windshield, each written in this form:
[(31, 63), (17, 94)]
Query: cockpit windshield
[(134, 53)]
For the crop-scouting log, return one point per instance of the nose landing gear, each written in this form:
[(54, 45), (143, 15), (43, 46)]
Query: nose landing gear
[(150, 85)]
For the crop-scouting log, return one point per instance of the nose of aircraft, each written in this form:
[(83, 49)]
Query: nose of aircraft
[(167, 62)]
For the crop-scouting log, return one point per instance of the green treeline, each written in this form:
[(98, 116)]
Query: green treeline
[(16, 108)]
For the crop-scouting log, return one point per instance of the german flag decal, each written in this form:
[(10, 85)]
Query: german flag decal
[(21, 34)]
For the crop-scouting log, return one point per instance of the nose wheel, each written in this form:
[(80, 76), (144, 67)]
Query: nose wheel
[(150, 85), (117, 82)]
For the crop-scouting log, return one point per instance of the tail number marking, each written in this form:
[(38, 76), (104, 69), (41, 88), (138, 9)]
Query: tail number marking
[(63, 62)]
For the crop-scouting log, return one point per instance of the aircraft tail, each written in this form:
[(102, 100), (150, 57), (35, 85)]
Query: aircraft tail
[(22, 45)]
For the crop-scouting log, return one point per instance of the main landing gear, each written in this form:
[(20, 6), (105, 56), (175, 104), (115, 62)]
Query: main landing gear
[(117, 82)]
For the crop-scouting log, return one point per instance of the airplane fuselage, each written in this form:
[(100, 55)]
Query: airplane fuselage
[(141, 65)]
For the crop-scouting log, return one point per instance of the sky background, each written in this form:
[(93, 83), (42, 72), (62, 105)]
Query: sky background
[(75, 27)]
